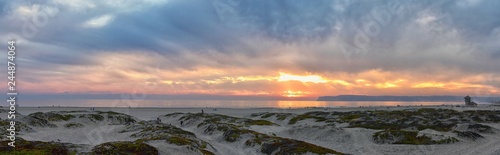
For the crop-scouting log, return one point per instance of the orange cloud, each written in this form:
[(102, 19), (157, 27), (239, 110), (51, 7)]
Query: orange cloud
[(123, 73)]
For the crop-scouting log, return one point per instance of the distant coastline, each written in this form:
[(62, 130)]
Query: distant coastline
[(443, 98)]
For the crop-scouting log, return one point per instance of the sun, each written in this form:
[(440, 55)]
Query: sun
[(291, 94), (308, 78)]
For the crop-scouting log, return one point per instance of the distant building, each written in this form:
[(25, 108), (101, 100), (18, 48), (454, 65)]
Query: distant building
[(468, 102)]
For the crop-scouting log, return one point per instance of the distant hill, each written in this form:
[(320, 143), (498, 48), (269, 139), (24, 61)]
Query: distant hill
[(404, 98)]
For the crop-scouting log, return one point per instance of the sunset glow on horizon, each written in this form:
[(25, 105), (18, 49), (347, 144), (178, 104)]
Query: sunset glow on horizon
[(373, 82)]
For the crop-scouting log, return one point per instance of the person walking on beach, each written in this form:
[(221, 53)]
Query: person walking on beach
[(182, 122), (202, 111)]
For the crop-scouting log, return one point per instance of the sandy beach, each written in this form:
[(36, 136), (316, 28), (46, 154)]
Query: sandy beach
[(347, 130)]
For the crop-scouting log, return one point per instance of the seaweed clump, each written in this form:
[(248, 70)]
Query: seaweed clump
[(125, 148)]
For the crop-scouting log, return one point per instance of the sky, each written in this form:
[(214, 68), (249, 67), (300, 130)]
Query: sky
[(281, 48)]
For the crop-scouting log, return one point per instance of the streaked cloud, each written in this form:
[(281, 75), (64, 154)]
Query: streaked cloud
[(284, 48), (98, 21)]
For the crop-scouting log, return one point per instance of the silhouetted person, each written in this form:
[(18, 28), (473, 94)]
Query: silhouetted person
[(202, 111), (182, 122)]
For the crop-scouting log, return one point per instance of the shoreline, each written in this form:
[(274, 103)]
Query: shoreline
[(261, 107), (148, 113)]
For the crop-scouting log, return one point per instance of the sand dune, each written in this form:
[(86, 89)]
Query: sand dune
[(367, 130)]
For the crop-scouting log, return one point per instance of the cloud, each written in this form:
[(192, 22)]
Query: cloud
[(98, 22), (468, 3), (212, 45), (426, 20)]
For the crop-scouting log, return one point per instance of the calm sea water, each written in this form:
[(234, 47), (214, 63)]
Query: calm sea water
[(216, 103)]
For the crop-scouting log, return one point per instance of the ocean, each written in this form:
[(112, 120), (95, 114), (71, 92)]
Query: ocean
[(215, 103)]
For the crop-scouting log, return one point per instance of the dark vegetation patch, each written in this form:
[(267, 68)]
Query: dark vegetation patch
[(52, 116), (481, 128), (37, 122), (73, 125), (483, 116), (24, 147), (407, 137), (45, 119), (217, 118), (231, 132), (424, 118), (305, 116), (468, 134), (20, 127), (74, 111), (419, 119), (40, 119), (118, 118), (269, 144), (109, 113), (289, 146), (258, 122), (92, 117), (125, 148), (206, 152), (279, 116), (173, 114), (398, 123), (153, 130), (179, 140)]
